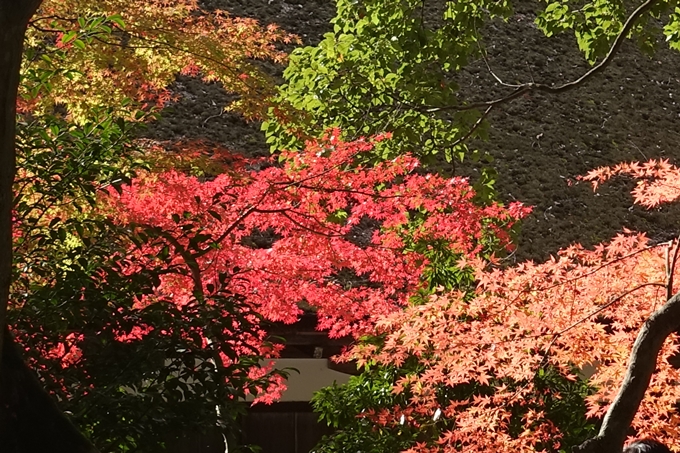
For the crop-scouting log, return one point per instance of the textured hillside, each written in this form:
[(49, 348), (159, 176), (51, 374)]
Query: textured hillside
[(540, 143)]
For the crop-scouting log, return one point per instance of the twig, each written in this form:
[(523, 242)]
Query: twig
[(670, 268), (474, 127), (482, 52)]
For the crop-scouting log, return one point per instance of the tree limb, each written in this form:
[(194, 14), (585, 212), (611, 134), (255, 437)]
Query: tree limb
[(30, 420), (641, 365), (529, 87)]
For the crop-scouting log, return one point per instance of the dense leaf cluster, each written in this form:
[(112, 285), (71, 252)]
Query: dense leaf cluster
[(132, 374), (313, 204), (386, 67), (139, 293)]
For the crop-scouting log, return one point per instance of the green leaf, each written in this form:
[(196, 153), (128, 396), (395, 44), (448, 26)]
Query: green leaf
[(117, 19), (68, 37)]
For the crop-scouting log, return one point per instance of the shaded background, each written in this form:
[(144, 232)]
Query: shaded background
[(539, 143)]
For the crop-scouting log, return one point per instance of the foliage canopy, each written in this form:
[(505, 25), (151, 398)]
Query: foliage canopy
[(116, 264)]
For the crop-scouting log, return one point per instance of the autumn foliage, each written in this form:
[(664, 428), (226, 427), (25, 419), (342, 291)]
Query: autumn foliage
[(139, 258), (316, 232), (84, 55), (578, 313), (168, 277), (120, 367)]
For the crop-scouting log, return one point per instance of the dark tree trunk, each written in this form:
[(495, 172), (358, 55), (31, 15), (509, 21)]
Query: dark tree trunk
[(30, 422), (14, 17)]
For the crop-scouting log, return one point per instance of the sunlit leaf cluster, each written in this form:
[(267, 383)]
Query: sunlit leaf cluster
[(318, 231), (578, 313), (82, 55)]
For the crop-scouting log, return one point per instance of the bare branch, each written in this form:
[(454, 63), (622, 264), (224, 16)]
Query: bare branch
[(641, 366), (670, 266), (530, 87)]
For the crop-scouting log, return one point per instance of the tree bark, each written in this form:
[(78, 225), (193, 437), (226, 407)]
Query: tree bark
[(14, 17), (30, 422), (641, 365)]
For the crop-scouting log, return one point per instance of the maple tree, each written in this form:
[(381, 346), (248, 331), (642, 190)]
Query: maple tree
[(76, 308), (469, 366), (385, 68), (308, 214), (83, 55)]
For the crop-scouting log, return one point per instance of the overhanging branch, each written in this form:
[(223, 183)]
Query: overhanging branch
[(530, 87)]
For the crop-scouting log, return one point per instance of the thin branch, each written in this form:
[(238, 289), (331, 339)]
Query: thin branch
[(473, 128), (483, 53), (124, 46), (670, 268), (607, 305), (555, 335), (530, 87), (306, 228), (45, 30), (310, 177), (493, 74), (189, 259), (227, 232), (376, 196), (249, 210), (41, 18), (587, 274)]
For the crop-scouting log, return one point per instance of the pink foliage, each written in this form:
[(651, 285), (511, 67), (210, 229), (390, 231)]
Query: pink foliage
[(310, 206)]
